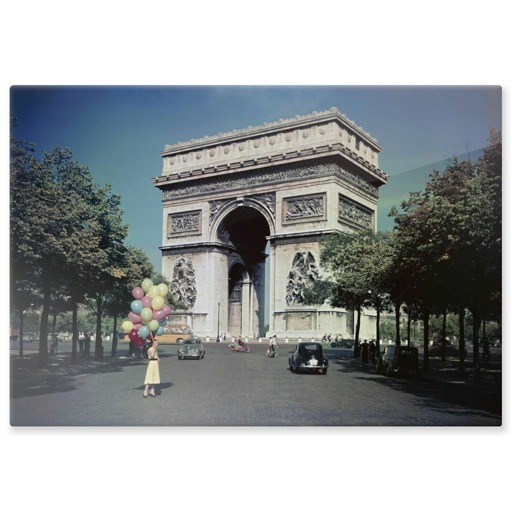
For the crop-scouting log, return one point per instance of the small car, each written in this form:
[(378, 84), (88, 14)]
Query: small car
[(191, 348), (397, 359), (308, 357)]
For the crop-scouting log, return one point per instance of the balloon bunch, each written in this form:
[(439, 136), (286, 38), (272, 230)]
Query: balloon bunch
[(149, 312)]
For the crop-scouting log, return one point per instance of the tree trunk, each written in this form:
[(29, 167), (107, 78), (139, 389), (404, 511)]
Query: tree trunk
[(54, 326), (356, 337), (377, 330), (476, 348), (114, 337), (426, 336), (409, 329), (43, 331), (98, 347), (462, 339), (74, 328), (443, 337), (397, 322)]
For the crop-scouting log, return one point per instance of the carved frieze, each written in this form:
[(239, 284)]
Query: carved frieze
[(302, 274), (349, 210), (265, 177), (304, 208), (184, 223), (183, 285)]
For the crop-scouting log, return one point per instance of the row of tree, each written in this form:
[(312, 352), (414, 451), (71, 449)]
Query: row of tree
[(443, 255), (67, 243)]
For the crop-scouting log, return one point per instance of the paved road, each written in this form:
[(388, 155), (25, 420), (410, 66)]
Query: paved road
[(234, 389)]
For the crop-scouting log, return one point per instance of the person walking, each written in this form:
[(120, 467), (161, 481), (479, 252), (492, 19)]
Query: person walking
[(272, 346), (153, 369)]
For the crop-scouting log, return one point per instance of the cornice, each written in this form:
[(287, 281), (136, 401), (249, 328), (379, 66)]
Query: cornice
[(279, 125)]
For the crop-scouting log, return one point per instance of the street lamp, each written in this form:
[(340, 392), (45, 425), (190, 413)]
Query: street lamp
[(218, 322)]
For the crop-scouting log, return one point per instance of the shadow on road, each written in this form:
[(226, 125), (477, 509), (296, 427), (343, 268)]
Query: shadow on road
[(435, 394), (29, 379)]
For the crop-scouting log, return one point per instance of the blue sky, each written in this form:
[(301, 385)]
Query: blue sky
[(119, 132)]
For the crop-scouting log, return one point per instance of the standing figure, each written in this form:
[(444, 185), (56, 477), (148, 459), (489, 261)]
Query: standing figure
[(272, 346), (153, 370)]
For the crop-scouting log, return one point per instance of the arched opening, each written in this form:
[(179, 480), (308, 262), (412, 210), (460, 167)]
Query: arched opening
[(245, 230)]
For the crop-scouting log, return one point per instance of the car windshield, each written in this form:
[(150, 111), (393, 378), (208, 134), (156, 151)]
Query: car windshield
[(309, 349), (191, 342)]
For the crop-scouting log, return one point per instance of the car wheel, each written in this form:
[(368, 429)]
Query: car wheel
[(324, 371), (389, 373)]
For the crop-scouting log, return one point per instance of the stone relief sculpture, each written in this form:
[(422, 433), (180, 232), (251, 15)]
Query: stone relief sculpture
[(351, 211), (183, 223), (183, 285), (304, 208), (303, 272)]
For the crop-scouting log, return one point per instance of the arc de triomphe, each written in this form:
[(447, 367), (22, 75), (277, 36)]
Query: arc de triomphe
[(243, 215)]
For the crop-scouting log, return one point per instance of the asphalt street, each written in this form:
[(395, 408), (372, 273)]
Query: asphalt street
[(234, 389)]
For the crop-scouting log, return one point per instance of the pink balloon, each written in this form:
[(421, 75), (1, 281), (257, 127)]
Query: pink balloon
[(158, 315), (134, 318), (146, 301), (167, 310), (137, 293), (137, 326)]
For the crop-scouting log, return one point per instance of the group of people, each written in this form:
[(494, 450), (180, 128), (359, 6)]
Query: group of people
[(367, 350)]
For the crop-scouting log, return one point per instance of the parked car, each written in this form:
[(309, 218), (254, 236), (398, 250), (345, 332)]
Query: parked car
[(191, 348), (308, 357), (449, 350), (398, 360)]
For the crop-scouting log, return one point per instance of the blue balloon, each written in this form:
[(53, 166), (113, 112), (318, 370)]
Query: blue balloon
[(164, 321), (136, 306), (144, 331), (159, 331)]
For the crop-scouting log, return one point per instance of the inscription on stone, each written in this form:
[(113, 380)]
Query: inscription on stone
[(299, 321)]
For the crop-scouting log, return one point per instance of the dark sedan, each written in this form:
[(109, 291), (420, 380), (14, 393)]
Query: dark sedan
[(308, 357), (191, 348)]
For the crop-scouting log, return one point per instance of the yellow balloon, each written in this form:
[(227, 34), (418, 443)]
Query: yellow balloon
[(127, 326), (147, 284), (163, 289), (157, 303), (153, 292)]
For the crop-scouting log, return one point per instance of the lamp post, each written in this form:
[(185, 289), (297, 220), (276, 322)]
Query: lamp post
[(218, 322)]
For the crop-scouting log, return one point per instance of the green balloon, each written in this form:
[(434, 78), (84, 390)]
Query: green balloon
[(147, 315), (147, 284)]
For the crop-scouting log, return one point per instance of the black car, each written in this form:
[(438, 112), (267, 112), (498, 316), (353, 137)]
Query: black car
[(398, 360), (308, 357)]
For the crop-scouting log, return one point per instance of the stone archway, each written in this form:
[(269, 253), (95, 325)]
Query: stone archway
[(245, 231), (286, 184)]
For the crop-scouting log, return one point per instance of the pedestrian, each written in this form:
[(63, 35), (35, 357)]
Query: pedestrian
[(272, 346), (153, 370), (371, 351), (87, 352), (81, 339), (364, 351)]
